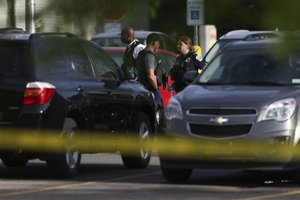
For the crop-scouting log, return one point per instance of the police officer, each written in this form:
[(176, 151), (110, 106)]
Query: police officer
[(134, 46), (186, 61), (146, 64)]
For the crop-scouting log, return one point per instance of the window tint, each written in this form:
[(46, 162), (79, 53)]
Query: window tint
[(80, 62), (12, 61), (104, 65), (250, 67), (117, 56), (52, 60)]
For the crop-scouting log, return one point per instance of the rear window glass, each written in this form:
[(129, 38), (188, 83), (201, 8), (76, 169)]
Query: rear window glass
[(12, 61)]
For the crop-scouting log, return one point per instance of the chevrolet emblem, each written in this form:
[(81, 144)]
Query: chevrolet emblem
[(219, 120)]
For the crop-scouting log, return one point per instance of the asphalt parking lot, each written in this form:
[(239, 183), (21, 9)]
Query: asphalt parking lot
[(103, 176)]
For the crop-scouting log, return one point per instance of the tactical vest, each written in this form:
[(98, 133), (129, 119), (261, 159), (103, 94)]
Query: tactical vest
[(128, 55), (141, 69), (183, 64)]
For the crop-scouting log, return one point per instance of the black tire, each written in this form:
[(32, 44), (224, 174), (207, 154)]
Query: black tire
[(176, 175), (173, 174), (141, 158), (14, 160), (67, 164)]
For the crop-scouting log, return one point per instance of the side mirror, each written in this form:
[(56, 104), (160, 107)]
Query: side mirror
[(190, 76)]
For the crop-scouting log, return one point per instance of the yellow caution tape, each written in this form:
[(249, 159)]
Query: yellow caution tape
[(26, 140)]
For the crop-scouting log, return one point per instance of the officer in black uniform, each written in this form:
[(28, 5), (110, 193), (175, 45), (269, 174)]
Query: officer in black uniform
[(146, 64), (186, 61), (134, 46)]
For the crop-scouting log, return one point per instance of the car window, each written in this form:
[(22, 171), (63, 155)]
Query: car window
[(216, 48), (103, 65), (117, 56), (251, 67), (52, 60), (80, 62), (12, 61)]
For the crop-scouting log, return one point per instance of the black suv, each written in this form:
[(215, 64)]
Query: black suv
[(57, 81)]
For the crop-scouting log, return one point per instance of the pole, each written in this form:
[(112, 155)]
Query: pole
[(196, 35), (29, 16)]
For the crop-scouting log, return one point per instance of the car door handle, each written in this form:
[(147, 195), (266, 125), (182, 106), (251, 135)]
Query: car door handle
[(79, 89)]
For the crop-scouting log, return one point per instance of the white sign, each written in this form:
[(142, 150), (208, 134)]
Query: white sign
[(194, 12)]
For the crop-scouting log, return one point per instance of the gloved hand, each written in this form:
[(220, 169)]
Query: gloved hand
[(157, 98)]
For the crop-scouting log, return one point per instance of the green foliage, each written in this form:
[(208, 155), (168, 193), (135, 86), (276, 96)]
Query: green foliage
[(283, 15), (74, 10), (154, 6), (170, 15)]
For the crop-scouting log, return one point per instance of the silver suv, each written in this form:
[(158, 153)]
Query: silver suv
[(237, 35), (241, 112)]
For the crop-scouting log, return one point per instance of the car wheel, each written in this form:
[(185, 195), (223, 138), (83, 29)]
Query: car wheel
[(12, 160), (176, 175), (67, 164), (141, 157)]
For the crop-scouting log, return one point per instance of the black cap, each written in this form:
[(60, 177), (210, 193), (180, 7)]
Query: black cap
[(152, 37)]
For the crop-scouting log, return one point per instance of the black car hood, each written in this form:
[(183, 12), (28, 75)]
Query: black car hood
[(234, 96)]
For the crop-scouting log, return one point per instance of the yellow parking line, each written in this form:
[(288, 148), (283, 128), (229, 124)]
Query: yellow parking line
[(58, 187), (272, 196), (46, 189), (134, 176)]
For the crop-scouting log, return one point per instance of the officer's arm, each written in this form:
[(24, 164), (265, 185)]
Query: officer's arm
[(152, 78)]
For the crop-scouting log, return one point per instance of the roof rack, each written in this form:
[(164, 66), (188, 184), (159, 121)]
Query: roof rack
[(262, 36), (43, 35), (11, 30), (236, 32)]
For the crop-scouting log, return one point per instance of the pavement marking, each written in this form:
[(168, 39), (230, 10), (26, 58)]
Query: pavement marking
[(271, 196), (133, 176), (69, 186), (46, 189)]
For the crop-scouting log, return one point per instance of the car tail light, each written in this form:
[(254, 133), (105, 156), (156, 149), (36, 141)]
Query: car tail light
[(38, 93)]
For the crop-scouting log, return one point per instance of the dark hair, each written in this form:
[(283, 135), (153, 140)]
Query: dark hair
[(186, 40), (152, 37)]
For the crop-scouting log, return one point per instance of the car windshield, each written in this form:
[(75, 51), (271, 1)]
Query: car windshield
[(238, 67), (215, 49)]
